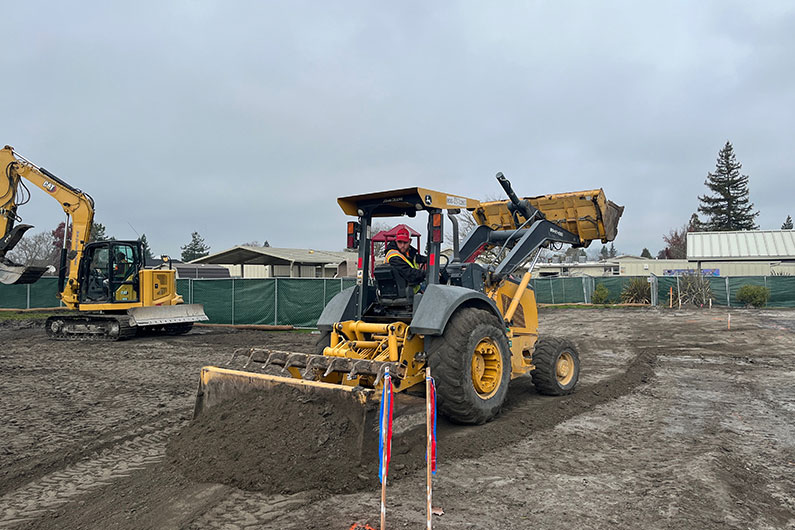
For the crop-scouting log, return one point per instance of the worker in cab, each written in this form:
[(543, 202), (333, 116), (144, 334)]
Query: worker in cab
[(405, 259)]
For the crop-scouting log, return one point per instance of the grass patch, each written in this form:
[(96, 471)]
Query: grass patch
[(24, 315)]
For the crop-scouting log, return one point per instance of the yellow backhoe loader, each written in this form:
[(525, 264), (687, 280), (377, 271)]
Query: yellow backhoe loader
[(474, 323), (107, 282)]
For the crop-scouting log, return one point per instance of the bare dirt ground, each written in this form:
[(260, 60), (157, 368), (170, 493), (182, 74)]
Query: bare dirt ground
[(677, 423)]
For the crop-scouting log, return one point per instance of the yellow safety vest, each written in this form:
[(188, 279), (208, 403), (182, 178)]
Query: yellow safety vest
[(394, 252)]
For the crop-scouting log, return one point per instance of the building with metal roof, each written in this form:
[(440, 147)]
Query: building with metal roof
[(750, 245), (265, 262)]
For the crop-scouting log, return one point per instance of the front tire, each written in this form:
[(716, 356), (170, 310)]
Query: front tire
[(471, 363), (557, 367)]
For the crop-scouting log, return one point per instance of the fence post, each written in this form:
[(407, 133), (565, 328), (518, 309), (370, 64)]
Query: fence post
[(27, 302), (584, 292), (276, 301), (552, 290), (233, 301), (728, 293)]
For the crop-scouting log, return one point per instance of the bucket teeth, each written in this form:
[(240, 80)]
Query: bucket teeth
[(279, 358), (338, 365)]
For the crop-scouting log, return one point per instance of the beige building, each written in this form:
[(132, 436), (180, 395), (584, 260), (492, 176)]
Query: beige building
[(745, 253), (269, 262)]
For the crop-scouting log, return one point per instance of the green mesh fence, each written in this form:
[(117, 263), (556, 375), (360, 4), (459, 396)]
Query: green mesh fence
[(284, 301), (299, 301), (782, 291), (560, 290)]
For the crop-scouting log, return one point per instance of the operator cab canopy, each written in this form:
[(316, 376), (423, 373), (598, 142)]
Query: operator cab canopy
[(406, 201)]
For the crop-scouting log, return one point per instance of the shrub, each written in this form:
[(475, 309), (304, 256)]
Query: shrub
[(636, 291), (600, 294), (695, 289), (755, 295)]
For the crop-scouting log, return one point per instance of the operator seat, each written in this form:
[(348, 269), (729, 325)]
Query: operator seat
[(392, 288)]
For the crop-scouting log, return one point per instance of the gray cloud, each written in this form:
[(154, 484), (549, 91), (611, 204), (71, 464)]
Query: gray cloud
[(245, 120)]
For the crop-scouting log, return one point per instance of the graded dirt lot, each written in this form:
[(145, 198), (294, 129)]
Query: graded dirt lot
[(677, 423)]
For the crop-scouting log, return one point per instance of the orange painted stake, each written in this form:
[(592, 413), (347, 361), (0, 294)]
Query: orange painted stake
[(670, 298), (730, 322)]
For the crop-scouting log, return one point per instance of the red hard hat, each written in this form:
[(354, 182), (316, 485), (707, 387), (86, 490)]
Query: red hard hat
[(402, 234)]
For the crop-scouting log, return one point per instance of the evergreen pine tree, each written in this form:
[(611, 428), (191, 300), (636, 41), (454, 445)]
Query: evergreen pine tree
[(730, 208), (195, 249), (98, 233), (148, 256), (645, 253), (695, 224), (612, 252), (604, 253), (787, 224)]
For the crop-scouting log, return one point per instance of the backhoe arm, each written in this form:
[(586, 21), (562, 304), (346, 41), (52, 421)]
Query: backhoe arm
[(77, 205)]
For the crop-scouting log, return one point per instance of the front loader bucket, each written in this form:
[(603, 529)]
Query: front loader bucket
[(224, 389), (12, 274), (611, 213)]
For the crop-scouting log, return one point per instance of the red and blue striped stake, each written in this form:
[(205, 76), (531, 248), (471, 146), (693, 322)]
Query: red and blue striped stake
[(385, 440)]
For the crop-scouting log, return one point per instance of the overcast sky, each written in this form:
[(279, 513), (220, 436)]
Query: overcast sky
[(244, 120)]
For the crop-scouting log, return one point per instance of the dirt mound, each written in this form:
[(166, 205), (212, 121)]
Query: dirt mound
[(281, 441)]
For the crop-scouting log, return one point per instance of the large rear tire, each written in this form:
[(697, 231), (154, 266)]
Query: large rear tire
[(557, 367), (471, 364)]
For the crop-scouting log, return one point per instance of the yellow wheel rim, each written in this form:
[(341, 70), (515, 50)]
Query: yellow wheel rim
[(564, 368), (486, 368)]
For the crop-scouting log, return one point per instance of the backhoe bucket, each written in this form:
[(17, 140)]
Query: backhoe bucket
[(13, 274)]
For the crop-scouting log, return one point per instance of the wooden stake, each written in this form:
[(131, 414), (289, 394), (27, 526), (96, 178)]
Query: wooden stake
[(729, 322), (428, 433)]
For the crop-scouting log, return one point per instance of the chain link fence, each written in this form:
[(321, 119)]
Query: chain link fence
[(299, 301)]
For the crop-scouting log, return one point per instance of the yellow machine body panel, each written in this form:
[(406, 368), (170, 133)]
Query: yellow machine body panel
[(157, 288), (523, 326)]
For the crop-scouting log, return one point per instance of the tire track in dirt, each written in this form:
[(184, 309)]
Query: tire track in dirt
[(250, 509), (141, 448), (27, 469)]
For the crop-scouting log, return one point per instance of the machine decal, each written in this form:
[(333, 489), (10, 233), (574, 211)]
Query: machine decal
[(49, 186), (456, 201)]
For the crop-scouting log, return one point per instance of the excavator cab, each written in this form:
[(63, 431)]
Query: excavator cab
[(109, 272)]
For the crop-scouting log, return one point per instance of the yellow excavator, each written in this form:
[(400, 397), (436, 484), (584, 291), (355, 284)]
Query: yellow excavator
[(113, 294), (474, 323)]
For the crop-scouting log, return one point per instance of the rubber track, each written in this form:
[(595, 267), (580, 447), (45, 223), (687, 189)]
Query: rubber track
[(126, 331), (60, 487)]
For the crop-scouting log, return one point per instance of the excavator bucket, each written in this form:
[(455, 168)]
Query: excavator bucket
[(10, 272), (13, 274)]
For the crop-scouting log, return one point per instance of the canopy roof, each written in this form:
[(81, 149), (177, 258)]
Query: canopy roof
[(404, 201), (389, 235), (273, 256), (748, 245)]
